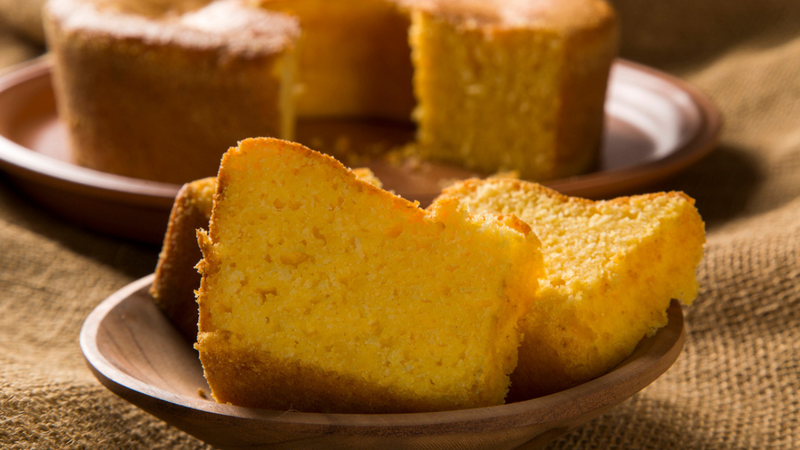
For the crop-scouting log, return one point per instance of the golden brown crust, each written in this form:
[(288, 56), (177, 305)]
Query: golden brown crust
[(163, 101), (175, 277), (590, 52), (240, 380)]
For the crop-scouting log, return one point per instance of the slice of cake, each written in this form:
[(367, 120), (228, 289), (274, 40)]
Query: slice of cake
[(512, 85), (612, 268), (176, 278), (158, 90), (321, 292)]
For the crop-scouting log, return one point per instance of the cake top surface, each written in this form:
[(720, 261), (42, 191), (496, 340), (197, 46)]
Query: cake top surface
[(558, 14), (200, 24)]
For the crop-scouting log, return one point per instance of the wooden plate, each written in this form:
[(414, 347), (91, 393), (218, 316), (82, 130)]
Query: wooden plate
[(656, 125), (136, 353)]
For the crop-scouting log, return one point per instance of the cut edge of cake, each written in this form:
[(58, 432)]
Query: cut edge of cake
[(247, 375)]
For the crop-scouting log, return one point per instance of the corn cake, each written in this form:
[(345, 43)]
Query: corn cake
[(612, 268), (512, 85), (158, 90), (321, 292)]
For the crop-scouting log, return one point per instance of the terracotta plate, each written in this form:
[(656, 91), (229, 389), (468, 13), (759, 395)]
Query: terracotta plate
[(136, 353), (656, 125)]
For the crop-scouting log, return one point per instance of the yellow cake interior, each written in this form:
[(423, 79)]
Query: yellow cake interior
[(510, 85), (321, 292), (451, 61), (612, 268)]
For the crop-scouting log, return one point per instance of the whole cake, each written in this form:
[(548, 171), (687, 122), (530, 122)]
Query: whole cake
[(611, 269), (160, 89), (512, 85), (321, 292)]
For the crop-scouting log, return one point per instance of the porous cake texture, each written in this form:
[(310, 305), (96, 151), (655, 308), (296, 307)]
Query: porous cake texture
[(611, 270), (321, 292), (159, 90), (176, 278), (512, 85)]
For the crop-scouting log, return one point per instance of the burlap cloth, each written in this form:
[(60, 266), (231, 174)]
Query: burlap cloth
[(736, 385)]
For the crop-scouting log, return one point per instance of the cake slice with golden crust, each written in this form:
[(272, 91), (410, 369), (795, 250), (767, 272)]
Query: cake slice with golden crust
[(612, 268), (321, 292)]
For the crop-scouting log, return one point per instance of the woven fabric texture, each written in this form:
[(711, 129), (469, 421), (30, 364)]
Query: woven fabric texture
[(735, 386)]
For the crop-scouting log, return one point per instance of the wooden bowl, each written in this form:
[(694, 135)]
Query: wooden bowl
[(136, 353)]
